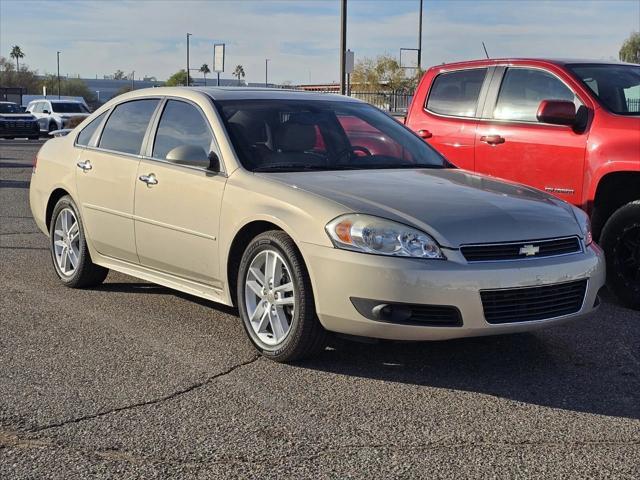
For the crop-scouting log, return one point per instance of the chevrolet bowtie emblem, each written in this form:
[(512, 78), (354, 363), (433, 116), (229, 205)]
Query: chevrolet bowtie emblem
[(529, 250)]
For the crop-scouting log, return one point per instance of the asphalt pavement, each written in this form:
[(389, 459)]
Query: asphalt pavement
[(133, 380)]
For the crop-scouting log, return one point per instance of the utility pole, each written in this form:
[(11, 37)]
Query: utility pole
[(188, 35), (266, 72), (133, 79), (58, 75), (343, 45), (420, 39)]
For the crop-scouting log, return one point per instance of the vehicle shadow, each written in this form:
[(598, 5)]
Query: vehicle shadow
[(584, 367), (561, 368)]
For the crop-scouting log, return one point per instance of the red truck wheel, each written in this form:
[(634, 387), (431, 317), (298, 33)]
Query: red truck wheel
[(621, 243)]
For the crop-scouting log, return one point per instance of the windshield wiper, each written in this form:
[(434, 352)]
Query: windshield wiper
[(289, 167)]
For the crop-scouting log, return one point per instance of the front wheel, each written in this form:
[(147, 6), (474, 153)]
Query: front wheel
[(69, 250), (275, 300), (621, 244)]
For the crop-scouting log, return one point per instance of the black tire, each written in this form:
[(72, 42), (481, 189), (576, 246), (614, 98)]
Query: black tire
[(621, 244), (53, 126), (306, 336), (87, 273)]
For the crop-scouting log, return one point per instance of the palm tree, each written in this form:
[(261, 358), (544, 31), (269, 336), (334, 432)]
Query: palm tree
[(17, 53), (239, 72), (205, 69)]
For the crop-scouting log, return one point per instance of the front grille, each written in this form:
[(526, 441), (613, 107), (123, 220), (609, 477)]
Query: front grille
[(520, 250), (20, 126), (533, 303)]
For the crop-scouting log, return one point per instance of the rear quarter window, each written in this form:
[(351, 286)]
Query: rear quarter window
[(456, 93)]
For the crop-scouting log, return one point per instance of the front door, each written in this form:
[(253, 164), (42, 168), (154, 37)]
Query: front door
[(514, 145), (106, 180), (177, 207)]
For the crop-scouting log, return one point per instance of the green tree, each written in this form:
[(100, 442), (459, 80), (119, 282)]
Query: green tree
[(119, 75), (238, 72), (205, 70), (178, 79), (382, 73), (630, 50), (25, 78), (72, 87), (17, 54)]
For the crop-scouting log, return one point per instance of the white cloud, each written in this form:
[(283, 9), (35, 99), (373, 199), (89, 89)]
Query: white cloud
[(149, 36)]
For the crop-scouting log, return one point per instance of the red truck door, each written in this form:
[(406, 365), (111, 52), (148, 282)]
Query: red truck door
[(511, 143), (446, 118)]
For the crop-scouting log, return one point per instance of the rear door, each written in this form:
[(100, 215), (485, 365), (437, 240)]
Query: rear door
[(512, 144), (177, 215), (447, 120), (106, 178)]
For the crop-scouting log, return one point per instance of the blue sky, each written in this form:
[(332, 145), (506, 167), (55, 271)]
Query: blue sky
[(301, 37)]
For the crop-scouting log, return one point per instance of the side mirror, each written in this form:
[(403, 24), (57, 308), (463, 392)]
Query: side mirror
[(557, 112), (194, 156), (46, 111)]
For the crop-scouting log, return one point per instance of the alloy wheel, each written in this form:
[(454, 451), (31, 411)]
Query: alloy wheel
[(628, 255), (66, 242), (269, 297)]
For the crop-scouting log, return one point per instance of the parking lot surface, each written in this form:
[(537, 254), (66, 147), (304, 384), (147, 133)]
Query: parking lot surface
[(132, 380)]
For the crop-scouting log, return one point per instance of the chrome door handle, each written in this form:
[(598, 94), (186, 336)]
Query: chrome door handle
[(86, 165), (492, 139), (148, 179)]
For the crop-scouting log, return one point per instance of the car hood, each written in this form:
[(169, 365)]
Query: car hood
[(454, 206), (16, 116)]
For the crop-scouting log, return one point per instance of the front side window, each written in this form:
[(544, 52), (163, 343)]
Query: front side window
[(68, 107), (127, 125), (87, 132), (456, 93), (616, 86), (300, 135), (523, 89), (181, 124)]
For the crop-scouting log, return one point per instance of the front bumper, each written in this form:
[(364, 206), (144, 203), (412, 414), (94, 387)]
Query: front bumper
[(339, 275)]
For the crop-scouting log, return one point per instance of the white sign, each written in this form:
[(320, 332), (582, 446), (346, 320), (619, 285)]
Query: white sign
[(349, 62), (218, 57)]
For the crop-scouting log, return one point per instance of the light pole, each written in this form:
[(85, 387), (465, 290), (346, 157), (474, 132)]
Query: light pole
[(420, 39), (266, 72), (188, 35), (58, 55), (98, 93), (343, 45)]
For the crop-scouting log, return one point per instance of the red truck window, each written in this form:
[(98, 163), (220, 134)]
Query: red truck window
[(523, 89), (456, 93)]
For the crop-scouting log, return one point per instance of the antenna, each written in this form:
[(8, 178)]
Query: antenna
[(485, 50)]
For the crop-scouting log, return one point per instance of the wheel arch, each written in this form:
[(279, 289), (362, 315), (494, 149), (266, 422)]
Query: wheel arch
[(614, 190), (55, 195)]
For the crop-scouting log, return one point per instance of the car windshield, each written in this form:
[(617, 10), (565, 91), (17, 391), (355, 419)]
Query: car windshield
[(299, 135), (616, 86), (9, 108), (68, 107)]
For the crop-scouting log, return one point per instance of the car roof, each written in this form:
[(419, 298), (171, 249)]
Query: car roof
[(242, 93), (533, 60)]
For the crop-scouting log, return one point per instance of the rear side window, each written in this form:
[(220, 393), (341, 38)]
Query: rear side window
[(523, 89), (88, 131), (127, 125), (181, 124), (456, 93)]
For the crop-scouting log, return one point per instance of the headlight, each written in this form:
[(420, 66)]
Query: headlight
[(585, 225), (369, 234)]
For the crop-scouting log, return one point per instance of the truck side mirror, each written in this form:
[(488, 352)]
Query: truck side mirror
[(557, 112)]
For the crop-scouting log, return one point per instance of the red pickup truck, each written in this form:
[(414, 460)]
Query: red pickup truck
[(571, 128)]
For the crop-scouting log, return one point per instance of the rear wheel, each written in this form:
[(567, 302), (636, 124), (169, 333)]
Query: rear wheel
[(621, 243), (69, 251), (275, 300)]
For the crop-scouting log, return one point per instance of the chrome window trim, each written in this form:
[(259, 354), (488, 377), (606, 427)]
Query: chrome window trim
[(154, 124), (533, 257), (98, 129)]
